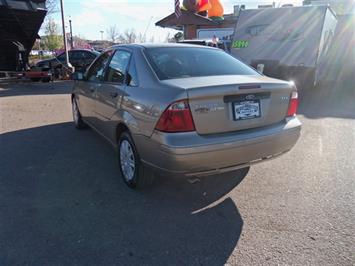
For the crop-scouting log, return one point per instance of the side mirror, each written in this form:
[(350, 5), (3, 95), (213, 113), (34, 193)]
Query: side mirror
[(78, 76), (128, 79)]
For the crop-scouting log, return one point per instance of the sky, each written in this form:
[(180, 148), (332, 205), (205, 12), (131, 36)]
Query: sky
[(89, 17)]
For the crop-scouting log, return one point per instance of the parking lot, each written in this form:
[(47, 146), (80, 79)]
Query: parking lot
[(62, 201)]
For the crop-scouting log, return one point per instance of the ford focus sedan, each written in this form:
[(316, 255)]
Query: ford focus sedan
[(184, 110)]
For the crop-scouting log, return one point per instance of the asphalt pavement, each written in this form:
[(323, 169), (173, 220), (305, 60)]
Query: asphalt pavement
[(62, 201)]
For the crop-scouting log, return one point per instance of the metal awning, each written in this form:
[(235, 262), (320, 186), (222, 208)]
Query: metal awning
[(187, 18)]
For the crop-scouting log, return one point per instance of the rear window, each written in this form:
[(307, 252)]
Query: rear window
[(184, 62)]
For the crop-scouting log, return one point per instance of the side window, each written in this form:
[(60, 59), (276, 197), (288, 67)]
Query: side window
[(118, 66), (96, 71), (88, 55), (61, 57), (76, 55), (132, 71)]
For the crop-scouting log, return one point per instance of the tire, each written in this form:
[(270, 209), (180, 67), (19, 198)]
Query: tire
[(78, 120), (46, 79), (133, 172)]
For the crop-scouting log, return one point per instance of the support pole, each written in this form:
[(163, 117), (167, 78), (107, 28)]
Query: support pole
[(71, 35), (64, 36)]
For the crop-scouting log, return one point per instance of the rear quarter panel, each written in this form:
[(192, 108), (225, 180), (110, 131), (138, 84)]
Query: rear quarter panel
[(143, 105)]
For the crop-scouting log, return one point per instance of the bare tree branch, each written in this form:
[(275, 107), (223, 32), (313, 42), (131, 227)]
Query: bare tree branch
[(112, 33), (52, 6), (129, 36), (141, 38)]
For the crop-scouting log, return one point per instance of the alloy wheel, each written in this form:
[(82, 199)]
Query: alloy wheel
[(127, 160)]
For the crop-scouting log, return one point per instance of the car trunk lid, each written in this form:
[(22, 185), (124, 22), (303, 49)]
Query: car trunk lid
[(230, 103)]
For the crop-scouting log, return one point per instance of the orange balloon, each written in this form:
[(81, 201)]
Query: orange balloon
[(216, 9), (203, 5)]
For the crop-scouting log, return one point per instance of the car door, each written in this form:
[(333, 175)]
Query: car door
[(76, 59), (59, 60), (110, 93), (139, 102), (88, 57), (88, 88)]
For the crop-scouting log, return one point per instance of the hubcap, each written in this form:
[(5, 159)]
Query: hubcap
[(127, 160), (75, 112)]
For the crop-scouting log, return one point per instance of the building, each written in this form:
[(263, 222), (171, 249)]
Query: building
[(20, 22), (196, 26)]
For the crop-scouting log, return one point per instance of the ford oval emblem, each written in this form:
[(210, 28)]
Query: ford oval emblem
[(250, 97)]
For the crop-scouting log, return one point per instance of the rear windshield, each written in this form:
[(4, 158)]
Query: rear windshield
[(184, 62)]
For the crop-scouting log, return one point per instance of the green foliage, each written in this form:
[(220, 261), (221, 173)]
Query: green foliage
[(178, 36), (52, 39)]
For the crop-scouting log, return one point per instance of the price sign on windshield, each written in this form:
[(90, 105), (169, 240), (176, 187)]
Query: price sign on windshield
[(240, 44)]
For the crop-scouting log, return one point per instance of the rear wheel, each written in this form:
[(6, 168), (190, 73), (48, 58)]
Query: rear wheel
[(78, 121), (133, 172)]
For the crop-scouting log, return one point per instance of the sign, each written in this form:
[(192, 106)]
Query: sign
[(240, 44)]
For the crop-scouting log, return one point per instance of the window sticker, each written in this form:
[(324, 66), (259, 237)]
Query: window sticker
[(240, 44)]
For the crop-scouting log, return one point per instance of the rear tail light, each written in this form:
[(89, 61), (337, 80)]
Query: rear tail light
[(292, 108), (176, 118)]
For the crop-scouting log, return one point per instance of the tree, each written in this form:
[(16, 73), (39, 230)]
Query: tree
[(51, 6), (168, 37), (129, 36), (112, 33), (178, 36), (141, 38), (151, 39), (80, 42), (52, 40), (37, 45)]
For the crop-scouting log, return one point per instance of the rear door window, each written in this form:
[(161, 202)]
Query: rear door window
[(116, 71), (132, 71), (76, 55), (88, 55), (97, 70)]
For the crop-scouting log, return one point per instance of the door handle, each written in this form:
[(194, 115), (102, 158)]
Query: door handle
[(113, 94)]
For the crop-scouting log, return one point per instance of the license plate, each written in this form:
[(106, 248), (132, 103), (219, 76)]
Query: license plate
[(246, 110)]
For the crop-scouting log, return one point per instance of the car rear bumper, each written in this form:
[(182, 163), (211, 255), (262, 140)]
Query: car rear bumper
[(190, 154)]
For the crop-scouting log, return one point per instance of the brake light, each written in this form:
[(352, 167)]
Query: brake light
[(292, 107), (176, 118)]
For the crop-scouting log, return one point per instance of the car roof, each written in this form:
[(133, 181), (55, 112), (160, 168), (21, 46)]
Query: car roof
[(158, 45), (79, 50), (82, 50), (196, 40)]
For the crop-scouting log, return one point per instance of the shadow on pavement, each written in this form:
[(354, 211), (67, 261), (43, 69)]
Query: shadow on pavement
[(35, 88), (333, 99), (63, 202)]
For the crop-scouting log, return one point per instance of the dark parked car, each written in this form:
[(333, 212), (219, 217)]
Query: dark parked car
[(79, 59)]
